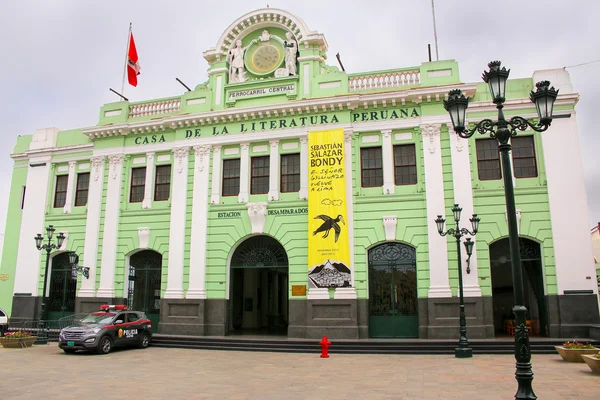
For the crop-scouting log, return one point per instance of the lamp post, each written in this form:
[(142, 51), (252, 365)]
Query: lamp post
[(463, 350), (76, 268), (503, 130), (48, 247)]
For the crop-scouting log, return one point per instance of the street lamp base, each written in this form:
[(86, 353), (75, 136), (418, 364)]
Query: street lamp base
[(463, 352)]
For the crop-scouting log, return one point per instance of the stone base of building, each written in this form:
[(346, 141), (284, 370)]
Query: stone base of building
[(572, 315), (439, 318), (337, 319), (25, 307), (182, 317)]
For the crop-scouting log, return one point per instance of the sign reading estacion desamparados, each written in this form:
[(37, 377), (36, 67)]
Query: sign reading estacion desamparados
[(328, 253)]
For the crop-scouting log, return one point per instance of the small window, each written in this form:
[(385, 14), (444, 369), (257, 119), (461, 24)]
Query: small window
[(231, 177), (488, 160), (259, 175), (60, 193), (523, 154), (138, 185), (405, 164), (132, 317), (81, 193), (371, 167), (290, 173), (162, 185)]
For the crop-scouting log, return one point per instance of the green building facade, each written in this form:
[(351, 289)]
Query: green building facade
[(194, 208)]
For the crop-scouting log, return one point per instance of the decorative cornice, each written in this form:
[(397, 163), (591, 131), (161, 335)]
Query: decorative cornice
[(116, 161), (202, 153), (180, 153)]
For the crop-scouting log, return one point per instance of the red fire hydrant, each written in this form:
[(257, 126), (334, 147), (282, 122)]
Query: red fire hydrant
[(325, 347)]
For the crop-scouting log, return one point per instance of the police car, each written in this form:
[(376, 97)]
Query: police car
[(112, 326)]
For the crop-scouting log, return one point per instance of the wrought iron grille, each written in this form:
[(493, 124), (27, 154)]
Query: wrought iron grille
[(62, 287), (259, 251), (530, 250), (143, 292)]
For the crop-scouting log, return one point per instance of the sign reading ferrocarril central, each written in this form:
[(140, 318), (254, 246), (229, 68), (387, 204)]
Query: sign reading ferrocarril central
[(328, 253)]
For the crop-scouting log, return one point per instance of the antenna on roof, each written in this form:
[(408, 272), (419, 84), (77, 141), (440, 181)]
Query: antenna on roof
[(118, 94), (340, 61), (184, 85)]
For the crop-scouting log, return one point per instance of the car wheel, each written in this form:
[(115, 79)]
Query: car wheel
[(144, 340), (69, 351), (105, 345)]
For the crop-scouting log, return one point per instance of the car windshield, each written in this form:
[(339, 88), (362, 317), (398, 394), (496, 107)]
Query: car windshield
[(101, 318)]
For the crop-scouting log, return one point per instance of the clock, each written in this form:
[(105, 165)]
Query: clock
[(264, 58)]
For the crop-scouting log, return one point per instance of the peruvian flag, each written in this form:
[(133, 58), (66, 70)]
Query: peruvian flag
[(133, 66)]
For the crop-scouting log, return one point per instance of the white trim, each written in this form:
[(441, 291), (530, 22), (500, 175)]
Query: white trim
[(70, 187), (149, 183), (273, 170), (303, 193), (215, 197), (306, 78), (388, 162), (244, 173), (218, 90)]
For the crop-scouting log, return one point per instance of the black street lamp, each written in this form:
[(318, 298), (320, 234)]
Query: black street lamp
[(463, 350), (76, 268), (48, 247), (503, 130)]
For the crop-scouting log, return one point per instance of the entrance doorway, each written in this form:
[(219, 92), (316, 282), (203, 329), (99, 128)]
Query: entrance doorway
[(259, 288), (143, 293), (393, 309), (61, 296), (533, 286)]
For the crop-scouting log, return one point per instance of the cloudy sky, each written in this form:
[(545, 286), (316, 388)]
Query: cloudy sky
[(59, 57)]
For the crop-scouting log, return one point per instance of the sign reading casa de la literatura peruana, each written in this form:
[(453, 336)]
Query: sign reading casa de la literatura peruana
[(328, 253)]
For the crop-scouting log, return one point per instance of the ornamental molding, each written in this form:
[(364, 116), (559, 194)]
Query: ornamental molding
[(150, 156), (97, 163), (432, 131), (181, 153), (386, 134), (115, 164), (300, 108), (257, 212), (389, 225), (202, 153), (274, 144)]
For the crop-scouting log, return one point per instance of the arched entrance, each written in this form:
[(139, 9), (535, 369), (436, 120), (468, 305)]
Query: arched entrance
[(393, 291), (533, 286), (259, 287), (143, 293), (62, 288)]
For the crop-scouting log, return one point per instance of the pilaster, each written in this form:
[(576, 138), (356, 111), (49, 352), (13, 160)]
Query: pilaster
[(303, 194), (434, 186), (274, 170), (111, 224), (177, 226), (215, 197), (388, 162), (244, 173), (197, 275), (70, 187), (149, 183), (92, 226)]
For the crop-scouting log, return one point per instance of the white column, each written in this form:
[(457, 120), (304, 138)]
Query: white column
[(573, 250), (32, 222), (348, 293), (111, 227), (177, 227), (434, 199), (215, 197), (244, 173), (197, 278), (149, 183), (70, 188), (92, 227), (303, 194), (388, 162), (463, 195), (274, 170)]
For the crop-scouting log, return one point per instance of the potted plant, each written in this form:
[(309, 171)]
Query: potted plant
[(572, 351), (17, 339), (593, 362)]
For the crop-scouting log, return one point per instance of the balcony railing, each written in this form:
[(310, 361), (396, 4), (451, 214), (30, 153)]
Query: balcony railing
[(155, 108), (383, 80)]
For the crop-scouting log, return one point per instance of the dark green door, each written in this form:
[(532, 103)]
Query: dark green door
[(144, 285), (393, 292), (61, 296)]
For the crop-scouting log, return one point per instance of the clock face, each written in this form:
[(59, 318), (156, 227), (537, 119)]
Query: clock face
[(264, 58)]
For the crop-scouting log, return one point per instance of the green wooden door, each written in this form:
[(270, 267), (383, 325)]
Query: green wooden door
[(62, 288), (393, 292), (144, 285)]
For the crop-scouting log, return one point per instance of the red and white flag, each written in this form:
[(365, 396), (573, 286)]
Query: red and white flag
[(133, 66)]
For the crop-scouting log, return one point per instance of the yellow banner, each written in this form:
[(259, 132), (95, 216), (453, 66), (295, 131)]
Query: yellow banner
[(328, 253)]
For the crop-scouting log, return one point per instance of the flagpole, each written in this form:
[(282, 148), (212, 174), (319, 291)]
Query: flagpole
[(437, 56), (126, 56)]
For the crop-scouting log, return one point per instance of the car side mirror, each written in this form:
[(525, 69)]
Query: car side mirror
[(119, 321)]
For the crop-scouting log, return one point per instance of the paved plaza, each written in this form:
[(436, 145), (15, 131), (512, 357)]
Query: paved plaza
[(45, 372)]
